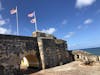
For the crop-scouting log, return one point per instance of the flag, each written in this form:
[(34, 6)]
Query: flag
[(33, 20), (31, 14), (13, 11)]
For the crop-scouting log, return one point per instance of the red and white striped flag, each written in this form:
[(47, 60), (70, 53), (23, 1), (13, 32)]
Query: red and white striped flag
[(33, 20), (31, 14), (13, 11)]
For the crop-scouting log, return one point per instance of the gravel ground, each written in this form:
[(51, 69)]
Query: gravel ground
[(73, 68)]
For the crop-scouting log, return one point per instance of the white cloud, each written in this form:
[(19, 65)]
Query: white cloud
[(70, 34), (84, 3), (49, 31), (4, 31), (79, 27), (88, 21), (2, 22), (64, 22)]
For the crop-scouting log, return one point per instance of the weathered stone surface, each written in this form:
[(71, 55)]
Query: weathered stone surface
[(54, 53), (48, 50), (85, 56), (14, 48)]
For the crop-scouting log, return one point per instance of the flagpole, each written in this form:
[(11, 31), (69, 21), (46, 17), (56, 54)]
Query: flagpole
[(17, 20), (35, 22)]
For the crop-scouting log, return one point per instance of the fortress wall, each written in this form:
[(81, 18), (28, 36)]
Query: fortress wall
[(85, 56), (54, 52), (13, 47), (49, 50)]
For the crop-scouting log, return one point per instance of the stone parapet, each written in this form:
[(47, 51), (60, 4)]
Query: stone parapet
[(85, 56)]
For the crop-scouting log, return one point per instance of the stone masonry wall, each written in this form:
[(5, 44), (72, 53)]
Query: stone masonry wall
[(13, 47), (49, 50), (85, 56), (54, 52)]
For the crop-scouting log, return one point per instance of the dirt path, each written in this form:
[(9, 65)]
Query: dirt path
[(73, 68)]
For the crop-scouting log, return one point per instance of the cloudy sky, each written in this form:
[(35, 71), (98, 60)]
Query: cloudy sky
[(76, 21)]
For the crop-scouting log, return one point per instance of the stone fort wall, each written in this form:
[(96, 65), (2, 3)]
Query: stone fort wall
[(14, 48), (53, 52), (49, 50), (80, 55)]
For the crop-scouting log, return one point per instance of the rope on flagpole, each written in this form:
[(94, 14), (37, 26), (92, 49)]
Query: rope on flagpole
[(17, 20), (35, 22)]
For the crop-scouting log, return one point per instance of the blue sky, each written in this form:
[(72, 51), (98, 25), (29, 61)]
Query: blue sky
[(76, 21)]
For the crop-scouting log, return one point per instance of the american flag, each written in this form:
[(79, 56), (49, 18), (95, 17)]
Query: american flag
[(33, 20), (31, 14), (13, 11)]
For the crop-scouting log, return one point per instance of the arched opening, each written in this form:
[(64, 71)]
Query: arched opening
[(77, 56), (30, 63), (24, 63)]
